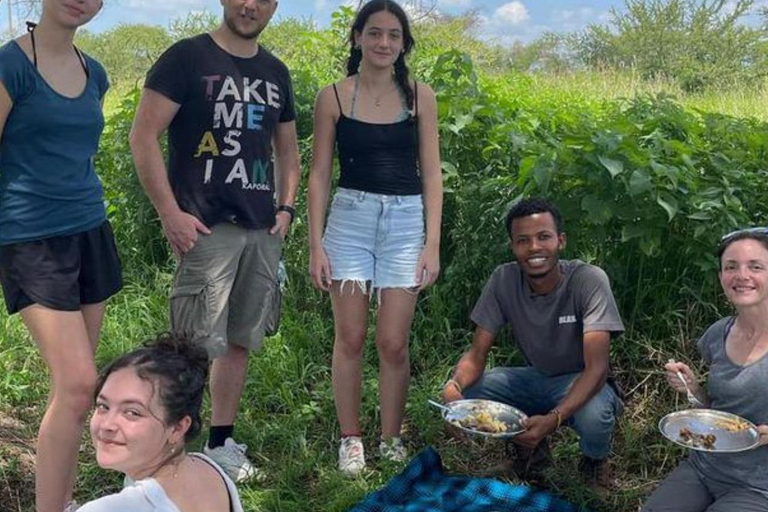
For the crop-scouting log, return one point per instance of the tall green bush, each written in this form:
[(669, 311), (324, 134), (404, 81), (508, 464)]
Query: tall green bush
[(135, 223), (647, 186)]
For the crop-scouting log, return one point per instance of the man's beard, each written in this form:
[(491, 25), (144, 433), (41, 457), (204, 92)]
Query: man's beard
[(249, 36), (540, 275)]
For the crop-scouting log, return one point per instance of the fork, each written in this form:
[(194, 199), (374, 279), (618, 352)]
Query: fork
[(691, 398)]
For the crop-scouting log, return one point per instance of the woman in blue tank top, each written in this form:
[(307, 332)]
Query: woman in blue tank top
[(383, 229), (735, 349), (58, 261)]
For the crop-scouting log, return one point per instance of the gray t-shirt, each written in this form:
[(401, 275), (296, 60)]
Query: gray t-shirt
[(738, 390), (549, 329), (148, 495)]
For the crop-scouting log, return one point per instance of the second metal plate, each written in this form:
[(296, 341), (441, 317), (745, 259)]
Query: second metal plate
[(710, 421)]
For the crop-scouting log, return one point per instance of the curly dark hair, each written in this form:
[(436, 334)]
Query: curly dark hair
[(177, 370), (356, 54), (531, 205)]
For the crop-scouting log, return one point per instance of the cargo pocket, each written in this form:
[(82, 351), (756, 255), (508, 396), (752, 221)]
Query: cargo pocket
[(272, 318), (192, 311)]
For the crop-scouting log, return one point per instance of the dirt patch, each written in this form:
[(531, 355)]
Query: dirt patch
[(17, 463)]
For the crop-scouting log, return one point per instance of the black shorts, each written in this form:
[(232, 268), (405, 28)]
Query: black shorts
[(61, 272)]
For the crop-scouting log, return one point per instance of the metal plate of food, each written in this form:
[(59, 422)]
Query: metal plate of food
[(709, 430), (485, 418)]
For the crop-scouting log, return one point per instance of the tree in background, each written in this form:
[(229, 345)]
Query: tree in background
[(16, 12), (126, 51), (699, 44), (550, 52)]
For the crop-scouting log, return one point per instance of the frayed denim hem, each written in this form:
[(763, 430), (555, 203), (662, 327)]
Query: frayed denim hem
[(357, 284)]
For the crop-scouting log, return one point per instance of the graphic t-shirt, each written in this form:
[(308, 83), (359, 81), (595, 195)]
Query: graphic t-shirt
[(549, 329), (220, 141)]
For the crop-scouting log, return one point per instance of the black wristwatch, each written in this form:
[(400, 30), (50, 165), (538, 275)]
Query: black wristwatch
[(285, 208)]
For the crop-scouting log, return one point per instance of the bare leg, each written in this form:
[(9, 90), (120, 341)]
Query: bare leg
[(62, 337), (227, 381), (392, 329), (93, 314), (350, 314)]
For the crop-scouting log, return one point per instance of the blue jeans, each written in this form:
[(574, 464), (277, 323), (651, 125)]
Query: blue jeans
[(535, 393)]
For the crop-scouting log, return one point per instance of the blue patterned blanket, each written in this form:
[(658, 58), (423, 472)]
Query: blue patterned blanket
[(424, 487)]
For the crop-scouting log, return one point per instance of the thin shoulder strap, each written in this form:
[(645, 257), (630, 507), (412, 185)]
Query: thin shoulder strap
[(416, 97), (338, 101), (83, 62)]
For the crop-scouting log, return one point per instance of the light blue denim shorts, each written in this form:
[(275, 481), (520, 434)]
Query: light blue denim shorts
[(374, 239)]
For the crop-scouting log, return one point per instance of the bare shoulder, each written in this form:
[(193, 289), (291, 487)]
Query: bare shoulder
[(330, 97), (325, 101), (326, 93), (425, 96), (424, 91)]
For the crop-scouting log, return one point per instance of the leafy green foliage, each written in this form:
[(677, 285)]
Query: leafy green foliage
[(135, 223)]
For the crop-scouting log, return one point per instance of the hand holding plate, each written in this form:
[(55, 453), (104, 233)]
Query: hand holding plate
[(536, 429), (763, 431)]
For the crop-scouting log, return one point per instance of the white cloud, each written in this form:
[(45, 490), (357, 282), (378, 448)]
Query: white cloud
[(320, 4), (507, 24), (512, 22), (512, 13)]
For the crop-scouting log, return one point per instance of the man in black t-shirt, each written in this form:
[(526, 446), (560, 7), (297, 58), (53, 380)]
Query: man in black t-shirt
[(226, 103)]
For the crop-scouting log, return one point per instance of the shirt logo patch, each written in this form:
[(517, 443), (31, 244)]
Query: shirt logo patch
[(567, 319)]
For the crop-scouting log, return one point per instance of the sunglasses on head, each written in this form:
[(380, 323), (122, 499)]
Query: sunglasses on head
[(757, 231)]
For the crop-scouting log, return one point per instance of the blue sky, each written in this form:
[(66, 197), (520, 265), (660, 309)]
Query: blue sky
[(503, 21)]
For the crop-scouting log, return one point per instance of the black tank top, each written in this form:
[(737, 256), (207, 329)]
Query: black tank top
[(379, 158)]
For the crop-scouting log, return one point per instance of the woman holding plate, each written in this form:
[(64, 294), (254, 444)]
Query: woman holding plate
[(736, 350)]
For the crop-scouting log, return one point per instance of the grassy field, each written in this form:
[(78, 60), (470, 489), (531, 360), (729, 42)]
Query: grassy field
[(287, 414), (609, 84)]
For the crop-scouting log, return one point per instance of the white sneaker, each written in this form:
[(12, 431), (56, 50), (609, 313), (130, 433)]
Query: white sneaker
[(231, 457), (351, 456), (71, 506), (393, 449)]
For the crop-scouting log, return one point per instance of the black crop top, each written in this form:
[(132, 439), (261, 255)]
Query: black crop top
[(379, 158)]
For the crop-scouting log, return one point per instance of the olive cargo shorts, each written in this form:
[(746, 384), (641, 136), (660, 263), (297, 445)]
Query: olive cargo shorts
[(226, 289)]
